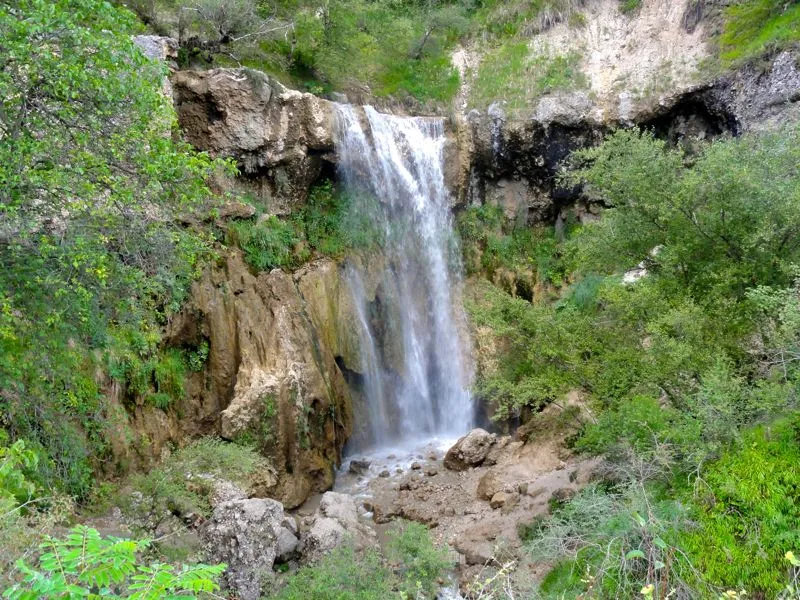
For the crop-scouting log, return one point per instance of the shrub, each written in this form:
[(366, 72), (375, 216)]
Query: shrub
[(84, 564), (183, 482), (615, 543), (420, 563), (340, 575), (267, 243)]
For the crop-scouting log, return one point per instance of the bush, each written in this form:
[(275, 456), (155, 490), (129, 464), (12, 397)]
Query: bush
[(420, 563), (182, 484), (267, 243), (84, 564), (340, 575)]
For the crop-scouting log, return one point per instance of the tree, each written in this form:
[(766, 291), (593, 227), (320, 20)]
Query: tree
[(93, 185), (724, 221), (207, 28)]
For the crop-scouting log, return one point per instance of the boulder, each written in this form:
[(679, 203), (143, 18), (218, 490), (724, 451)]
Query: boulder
[(503, 500), (335, 523), (470, 451), (491, 483), (359, 467), (476, 551), (249, 535)]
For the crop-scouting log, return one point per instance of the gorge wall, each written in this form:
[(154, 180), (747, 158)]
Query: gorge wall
[(284, 364)]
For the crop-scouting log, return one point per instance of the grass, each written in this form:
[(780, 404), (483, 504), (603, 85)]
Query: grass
[(525, 17), (757, 27), (512, 73)]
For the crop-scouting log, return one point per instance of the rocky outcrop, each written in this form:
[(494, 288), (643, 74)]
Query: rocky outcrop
[(250, 536), (515, 160), (278, 137), (272, 376), (335, 523)]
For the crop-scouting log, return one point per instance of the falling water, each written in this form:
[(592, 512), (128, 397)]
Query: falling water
[(399, 161)]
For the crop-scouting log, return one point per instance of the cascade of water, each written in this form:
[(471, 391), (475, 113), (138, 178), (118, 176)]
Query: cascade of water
[(399, 161)]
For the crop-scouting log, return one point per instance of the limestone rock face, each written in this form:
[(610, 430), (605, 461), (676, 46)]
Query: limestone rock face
[(272, 374), (335, 523), (470, 451), (249, 535), (513, 160), (277, 136)]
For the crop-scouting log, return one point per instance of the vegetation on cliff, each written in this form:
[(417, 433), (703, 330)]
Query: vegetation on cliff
[(690, 371)]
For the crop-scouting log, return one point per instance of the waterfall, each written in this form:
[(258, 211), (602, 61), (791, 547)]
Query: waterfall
[(421, 391)]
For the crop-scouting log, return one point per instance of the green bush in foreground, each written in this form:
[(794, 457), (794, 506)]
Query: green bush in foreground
[(420, 563), (86, 565)]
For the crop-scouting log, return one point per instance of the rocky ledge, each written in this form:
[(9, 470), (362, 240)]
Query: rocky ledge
[(278, 137)]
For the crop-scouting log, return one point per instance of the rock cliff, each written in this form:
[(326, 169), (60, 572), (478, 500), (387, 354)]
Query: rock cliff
[(284, 362), (278, 137)]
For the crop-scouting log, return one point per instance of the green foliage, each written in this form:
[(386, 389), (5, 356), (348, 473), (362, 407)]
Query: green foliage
[(421, 563), (17, 462), (196, 359), (344, 574), (397, 48), (209, 29), (91, 186), (267, 243), (340, 575), (261, 434), (757, 27), (86, 565), (613, 543), (487, 248), (721, 225), (747, 511), (335, 222), (686, 369), (330, 223), (629, 6), (514, 75), (183, 482), (525, 17)]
